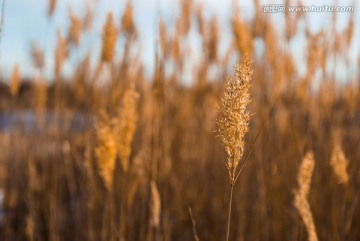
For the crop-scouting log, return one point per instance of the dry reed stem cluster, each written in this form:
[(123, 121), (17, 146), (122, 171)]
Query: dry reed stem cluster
[(233, 118), (301, 196), (144, 168), (339, 165)]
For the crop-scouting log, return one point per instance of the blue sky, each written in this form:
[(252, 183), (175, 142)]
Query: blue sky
[(26, 21)]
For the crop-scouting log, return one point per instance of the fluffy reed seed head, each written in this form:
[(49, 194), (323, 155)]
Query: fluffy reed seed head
[(242, 35), (87, 19), (185, 18), (200, 20), (155, 205), (301, 203), (233, 118), (305, 173), (339, 165), (349, 30), (15, 81), (109, 39), (258, 23), (213, 40), (127, 20), (37, 56), (75, 29), (176, 49), (52, 7), (106, 151), (61, 53), (126, 125), (270, 38), (163, 37)]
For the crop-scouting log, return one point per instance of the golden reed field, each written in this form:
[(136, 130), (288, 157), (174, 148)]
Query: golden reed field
[(249, 142)]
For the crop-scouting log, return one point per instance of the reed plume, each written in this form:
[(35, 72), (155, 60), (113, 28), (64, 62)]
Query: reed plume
[(258, 23), (37, 57), (15, 81), (349, 30), (163, 38), (87, 19), (233, 121), (339, 165), (61, 53), (200, 20), (271, 40), (242, 37), (212, 40), (185, 17), (109, 39), (127, 20), (106, 150), (126, 125), (301, 203), (52, 7), (233, 118), (75, 29)]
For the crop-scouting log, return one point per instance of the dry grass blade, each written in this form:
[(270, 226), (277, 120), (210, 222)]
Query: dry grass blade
[(256, 138), (155, 205), (196, 237)]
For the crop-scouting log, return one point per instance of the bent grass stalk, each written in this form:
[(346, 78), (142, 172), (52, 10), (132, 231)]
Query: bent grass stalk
[(301, 196)]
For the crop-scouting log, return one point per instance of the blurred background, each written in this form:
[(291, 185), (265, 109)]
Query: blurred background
[(108, 109)]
